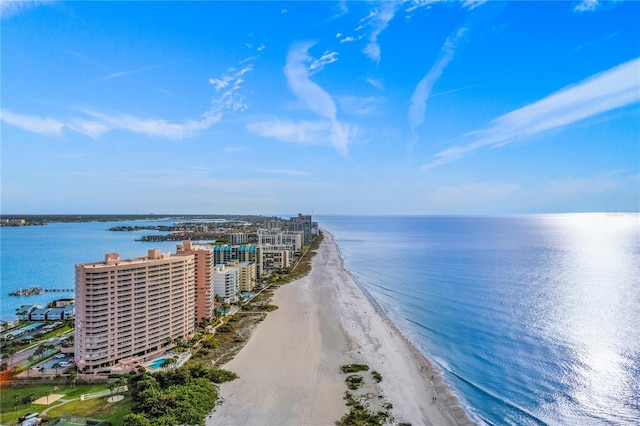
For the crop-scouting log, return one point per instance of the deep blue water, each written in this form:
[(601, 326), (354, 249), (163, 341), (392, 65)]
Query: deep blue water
[(533, 319)]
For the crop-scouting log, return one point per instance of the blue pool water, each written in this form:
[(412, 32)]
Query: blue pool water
[(157, 363)]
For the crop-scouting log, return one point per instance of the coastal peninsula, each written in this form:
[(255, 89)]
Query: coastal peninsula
[(289, 371)]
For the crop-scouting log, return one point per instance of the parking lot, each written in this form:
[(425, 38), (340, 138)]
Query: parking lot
[(60, 361)]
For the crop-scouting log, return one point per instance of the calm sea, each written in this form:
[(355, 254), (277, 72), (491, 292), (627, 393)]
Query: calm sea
[(533, 319), (45, 256)]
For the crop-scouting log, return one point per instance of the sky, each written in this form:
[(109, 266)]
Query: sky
[(405, 108)]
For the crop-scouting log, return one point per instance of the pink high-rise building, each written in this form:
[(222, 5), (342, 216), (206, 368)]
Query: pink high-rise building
[(129, 310), (204, 269)]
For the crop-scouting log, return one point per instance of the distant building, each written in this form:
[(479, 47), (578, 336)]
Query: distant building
[(273, 257), (39, 314), (8, 322), (24, 311), (204, 269), (61, 303), (222, 254), (130, 310), (302, 223), (238, 238), (293, 239)]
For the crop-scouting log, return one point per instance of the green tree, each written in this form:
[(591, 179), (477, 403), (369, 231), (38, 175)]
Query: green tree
[(135, 420)]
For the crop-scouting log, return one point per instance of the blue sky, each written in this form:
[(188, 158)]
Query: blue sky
[(417, 107)]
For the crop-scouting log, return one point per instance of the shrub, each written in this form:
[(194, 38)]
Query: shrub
[(354, 368)]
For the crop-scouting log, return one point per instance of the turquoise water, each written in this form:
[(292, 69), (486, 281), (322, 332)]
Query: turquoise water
[(532, 319), (156, 364)]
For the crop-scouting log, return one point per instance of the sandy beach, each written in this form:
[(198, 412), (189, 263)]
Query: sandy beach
[(289, 371)]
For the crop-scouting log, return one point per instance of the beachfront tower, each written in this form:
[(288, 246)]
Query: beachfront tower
[(204, 268), (302, 223), (130, 310), (226, 283)]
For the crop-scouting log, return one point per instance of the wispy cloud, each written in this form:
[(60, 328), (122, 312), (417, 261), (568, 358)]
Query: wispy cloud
[(318, 65), (587, 6), (472, 4), (41, 125), (422, 91), (157, 127), (233, 77), (302, 132), (378, 19), (609, 90), (360, 105), (9, 8), (284, 172), (91, 128), (349, 39), (375, 83), (313, 98)]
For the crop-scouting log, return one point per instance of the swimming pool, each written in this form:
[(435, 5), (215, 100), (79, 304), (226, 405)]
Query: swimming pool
[(157, 363)]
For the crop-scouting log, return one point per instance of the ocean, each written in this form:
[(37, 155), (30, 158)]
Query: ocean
[(532, 319)]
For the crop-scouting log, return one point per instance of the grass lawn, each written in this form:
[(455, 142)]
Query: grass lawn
[(97, 408), (10, 398)]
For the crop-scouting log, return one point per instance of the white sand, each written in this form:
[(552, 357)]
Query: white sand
[(290, 368)]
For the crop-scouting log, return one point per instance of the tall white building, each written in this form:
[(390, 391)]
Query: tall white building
[(226, 283)]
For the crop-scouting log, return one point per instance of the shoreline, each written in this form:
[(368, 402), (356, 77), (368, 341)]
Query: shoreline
[(451, 405), (289, 370)]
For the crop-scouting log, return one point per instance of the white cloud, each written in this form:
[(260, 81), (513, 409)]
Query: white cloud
[(312, 96), (378, 19), (606, 91), (302, 132), (422, 91), (231, 76), (9, 8), (472, 4), (227, 100), (375, 83), (261, 47), (157, 127), (284, 172), (360, 105), (41, 125), (327, 58), (587, 6), (349, 39), (92, 129)]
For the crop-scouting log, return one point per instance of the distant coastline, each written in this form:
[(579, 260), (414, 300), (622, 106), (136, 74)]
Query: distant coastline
[(39, 220)]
